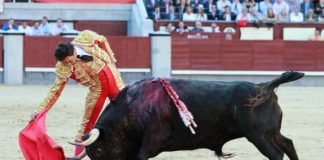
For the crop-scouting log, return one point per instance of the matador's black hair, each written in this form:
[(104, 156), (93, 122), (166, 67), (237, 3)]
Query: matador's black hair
[(63, 50)]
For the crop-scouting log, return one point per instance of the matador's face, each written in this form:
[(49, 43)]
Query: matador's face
[(70, 59)]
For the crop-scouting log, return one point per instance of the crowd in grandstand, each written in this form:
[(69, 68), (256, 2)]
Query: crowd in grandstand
[(38, 28), (236, 10), (181, 28)]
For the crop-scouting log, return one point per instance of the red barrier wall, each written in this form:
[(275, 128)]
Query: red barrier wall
[(1, 52), (110, 28), (219, 54), (131, 52), (39, 51), (213, 53)]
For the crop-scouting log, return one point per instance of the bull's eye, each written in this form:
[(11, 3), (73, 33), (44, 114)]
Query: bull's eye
[(99, 151)]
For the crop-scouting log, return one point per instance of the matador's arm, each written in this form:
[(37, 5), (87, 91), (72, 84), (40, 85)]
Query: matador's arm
[(63, 72), (104, 45)]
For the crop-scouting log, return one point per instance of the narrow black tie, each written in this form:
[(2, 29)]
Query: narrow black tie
[(85, 58)]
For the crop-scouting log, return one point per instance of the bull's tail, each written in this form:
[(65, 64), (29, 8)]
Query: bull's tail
[(286, 77), (267, 89)]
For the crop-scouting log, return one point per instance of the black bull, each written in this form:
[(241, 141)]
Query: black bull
[(143, 121)]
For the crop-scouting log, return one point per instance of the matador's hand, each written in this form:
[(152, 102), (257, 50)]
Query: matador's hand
[(33, 116)]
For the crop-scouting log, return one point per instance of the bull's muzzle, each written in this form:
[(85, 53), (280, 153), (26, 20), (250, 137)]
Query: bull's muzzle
[(93, 136)]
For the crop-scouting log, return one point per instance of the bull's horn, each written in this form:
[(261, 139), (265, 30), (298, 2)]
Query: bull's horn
[(93, 136)]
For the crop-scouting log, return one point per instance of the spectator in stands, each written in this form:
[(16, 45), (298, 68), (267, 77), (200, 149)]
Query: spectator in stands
[(25, 28), (44, 27), (156, 15), (236, 7), (249, 4), (181, 8), (150, 5), (284, 16), (244, 16), (165, 6), (317, 36), (198, 27), (209, 6), (296, 16), (36, 30), (311, 17), (214, 28), (292, 5), (228, 15), (201, 16), (319, 7), (194, 5), (279, 6), (221, 4), (10, 25), (264, 6), (181, 28), (214, 14), (321, 16), (172, 15), (256, 17), (189, 15), (58, 28), (305, 6), (270, 17), (169, 28)]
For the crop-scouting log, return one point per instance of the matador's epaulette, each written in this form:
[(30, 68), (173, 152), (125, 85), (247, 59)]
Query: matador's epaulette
[(85, 38)]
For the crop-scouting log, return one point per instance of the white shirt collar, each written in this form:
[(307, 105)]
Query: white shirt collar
[(80, 51)]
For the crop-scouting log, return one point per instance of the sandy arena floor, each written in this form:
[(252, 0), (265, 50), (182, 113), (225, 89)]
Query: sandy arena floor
[(303, 122)]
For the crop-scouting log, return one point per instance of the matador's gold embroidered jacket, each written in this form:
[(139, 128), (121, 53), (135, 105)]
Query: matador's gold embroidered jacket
[(84, 72)]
